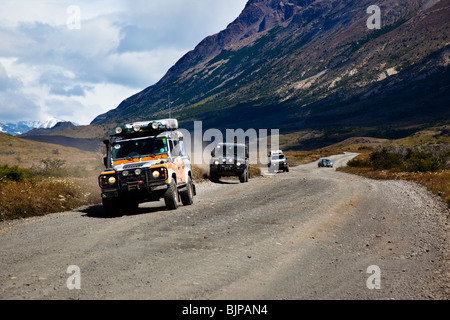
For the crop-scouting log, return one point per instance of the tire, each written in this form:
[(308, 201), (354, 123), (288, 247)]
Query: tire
[(187, 196), (243, 177), (171, 196), (111, 207), (214, 177), (287, 169)]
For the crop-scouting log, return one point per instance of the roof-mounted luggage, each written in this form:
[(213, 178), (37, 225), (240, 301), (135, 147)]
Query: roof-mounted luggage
[(146, 127)]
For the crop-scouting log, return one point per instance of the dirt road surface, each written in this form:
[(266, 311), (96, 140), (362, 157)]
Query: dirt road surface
[(312, 233)]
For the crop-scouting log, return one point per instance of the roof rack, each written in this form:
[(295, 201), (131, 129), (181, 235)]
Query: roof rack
[(275, 152), (146, 127)]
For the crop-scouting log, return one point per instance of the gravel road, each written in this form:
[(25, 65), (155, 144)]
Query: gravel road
[(311, 233)]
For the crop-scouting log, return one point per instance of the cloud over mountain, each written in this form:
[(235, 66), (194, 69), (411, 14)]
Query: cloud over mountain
[(120, 47)]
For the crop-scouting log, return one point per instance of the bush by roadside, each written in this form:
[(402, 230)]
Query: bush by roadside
[(407, 159)]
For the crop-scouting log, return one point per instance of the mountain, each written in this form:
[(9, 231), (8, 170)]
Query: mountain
[(296, 64), (19, 127), (49, 127), (22, 127), (59, 132)]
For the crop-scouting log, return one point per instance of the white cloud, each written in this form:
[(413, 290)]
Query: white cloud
[(122, 46)]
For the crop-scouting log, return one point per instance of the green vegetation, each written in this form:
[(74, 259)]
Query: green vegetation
[(13, 173), (409, 159)]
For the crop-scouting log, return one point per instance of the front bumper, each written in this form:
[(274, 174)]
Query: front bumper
[(227, 169), (136, 186), (278, 165)]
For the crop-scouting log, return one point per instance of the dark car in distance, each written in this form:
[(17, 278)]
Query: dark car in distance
[(325, 163)]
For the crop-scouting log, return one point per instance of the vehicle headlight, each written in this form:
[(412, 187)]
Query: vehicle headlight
[(155, 174), (238, 164), (125, 173), (136, 127), (230, 160), (112, 180), (216, 162), (137, 172), (118, 130), (155, 125)]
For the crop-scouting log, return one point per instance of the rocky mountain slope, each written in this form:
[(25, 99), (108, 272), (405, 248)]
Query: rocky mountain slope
[(308, 64)]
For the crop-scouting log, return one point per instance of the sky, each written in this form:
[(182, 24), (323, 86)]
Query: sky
[(73, 60)]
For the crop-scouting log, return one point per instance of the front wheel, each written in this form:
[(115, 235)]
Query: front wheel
[(171, 196), (244, 176), (187, 196)]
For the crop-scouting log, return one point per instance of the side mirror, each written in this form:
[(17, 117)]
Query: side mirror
[(213, 153), (105, 161)]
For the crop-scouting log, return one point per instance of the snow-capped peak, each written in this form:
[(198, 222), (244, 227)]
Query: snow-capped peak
[(25, 126), (50, 123)]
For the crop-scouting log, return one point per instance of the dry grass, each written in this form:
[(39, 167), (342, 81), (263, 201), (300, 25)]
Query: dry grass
[(35, 197), (254, 171), (54, 179), (30, 154), (200, 173)]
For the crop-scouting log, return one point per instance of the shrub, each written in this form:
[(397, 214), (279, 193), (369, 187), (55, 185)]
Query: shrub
[(13, 173), (421, 161), (418, 159), (385, 159), (359, 163), (254, 172)]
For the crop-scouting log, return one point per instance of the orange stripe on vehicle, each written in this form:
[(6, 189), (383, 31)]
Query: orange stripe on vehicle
[(154, 158), (138, 160), (125, 161)]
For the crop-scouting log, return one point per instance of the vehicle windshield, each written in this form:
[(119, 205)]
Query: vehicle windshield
[(277, 157), (138, 148), (229, 151)]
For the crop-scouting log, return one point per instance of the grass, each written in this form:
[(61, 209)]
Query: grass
[(34, 197), (40, 178)]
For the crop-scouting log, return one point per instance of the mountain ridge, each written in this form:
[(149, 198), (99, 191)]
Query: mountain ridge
[(295, 59), (22, 127)]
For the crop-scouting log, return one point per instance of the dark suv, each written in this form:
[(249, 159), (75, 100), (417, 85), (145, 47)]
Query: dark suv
[(229, 159)]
